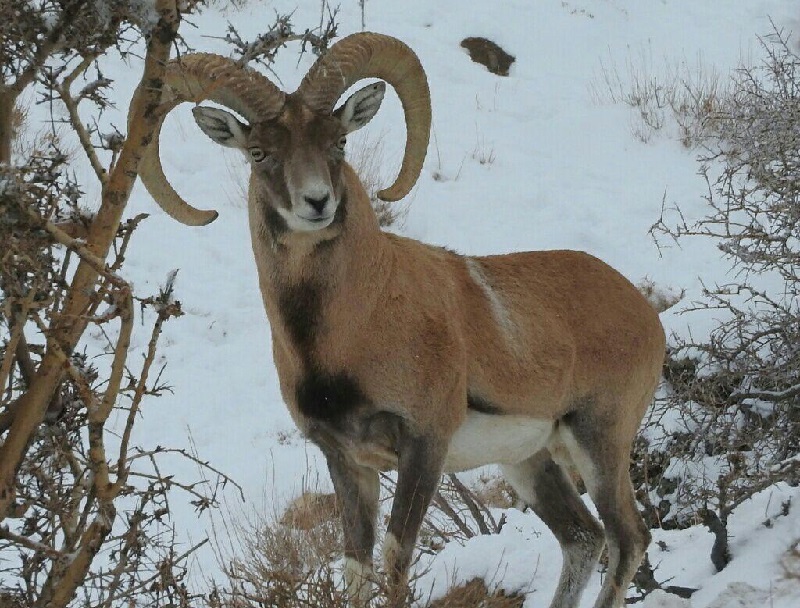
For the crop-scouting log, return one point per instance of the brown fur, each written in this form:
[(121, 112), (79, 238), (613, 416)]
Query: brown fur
[(583, 329)]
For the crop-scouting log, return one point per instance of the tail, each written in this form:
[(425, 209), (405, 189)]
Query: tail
[(660, 298)]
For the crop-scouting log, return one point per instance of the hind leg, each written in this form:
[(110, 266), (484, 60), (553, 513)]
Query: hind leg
[(544, 485), (604, 466)]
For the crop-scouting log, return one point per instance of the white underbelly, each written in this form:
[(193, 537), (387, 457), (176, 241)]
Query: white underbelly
[(496, 439)]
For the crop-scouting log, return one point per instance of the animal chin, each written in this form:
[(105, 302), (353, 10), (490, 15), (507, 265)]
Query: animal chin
[(311, 224), (301, 223)]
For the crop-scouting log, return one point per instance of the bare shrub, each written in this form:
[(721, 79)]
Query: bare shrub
[(456, 513), (729, 423), (271, 561), (293, 551), (292, 559)]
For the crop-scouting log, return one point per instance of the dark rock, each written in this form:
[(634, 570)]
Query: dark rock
[(489, 54)]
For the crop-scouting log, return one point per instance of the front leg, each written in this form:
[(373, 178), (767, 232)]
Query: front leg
[(421, 459), (357, 490)]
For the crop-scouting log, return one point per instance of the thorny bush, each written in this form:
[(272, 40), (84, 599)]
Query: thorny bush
[(84, 511), (728, 425)]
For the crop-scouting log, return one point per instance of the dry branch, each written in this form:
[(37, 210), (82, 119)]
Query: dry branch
[(71, 104), (69, 325)]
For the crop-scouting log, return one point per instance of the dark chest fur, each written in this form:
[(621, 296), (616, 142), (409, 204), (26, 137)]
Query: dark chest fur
[(323, 395)]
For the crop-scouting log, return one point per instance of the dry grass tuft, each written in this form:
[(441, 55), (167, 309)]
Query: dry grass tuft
[(494, 491), (367, 158), (277, 565), (293, 560), (475, 594), (688, 96), (310, 510), (296, 552), (483, 152), (790, 562), (19, 124)]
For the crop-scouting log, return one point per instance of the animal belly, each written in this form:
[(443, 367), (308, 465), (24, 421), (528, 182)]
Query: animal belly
[(496, 439)]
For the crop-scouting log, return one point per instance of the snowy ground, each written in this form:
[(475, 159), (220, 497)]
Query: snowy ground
[(566, 171)]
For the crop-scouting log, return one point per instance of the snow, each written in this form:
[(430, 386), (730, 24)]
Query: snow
[(757, 548), (561, 169), (524, 556)]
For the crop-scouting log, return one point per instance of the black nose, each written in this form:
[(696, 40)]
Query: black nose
[(317, 203)]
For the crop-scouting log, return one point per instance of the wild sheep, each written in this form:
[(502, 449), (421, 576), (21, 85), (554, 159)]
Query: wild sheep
[(393, 354)]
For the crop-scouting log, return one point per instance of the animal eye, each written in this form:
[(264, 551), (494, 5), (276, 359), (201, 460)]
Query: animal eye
[(341, 143), (257, 154)]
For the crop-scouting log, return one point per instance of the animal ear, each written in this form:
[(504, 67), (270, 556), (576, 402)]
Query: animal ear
[(361, 107), (222, 127)]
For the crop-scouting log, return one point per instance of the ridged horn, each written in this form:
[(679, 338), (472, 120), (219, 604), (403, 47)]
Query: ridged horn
[(370, 55), (195, 78)]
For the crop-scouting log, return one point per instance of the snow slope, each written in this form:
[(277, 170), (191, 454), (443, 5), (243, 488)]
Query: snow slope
[(566, 172)]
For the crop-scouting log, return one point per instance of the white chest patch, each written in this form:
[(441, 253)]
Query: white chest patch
[(496, 439)]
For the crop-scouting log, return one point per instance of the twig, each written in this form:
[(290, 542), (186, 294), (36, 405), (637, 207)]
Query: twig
[(469, 501), (784, 395), (62, 583), (131, 536), (76, 245), (99, 412), (24, 361), (148, 582), (75, 120), (122, 469), (28, 543), (442, 503), (47, 46), (127, 232), (16, 335), (203, 463)]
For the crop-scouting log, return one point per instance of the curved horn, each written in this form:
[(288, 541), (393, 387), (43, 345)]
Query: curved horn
[(195, 78), (369, 55)]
